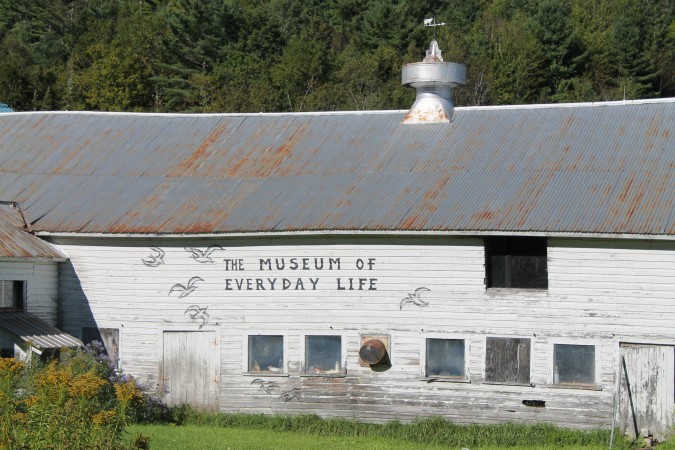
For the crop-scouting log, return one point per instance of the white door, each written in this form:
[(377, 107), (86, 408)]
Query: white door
[(190, 369), (649, 374)]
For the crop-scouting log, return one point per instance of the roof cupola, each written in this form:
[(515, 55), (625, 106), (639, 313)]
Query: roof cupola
[(433, 79)]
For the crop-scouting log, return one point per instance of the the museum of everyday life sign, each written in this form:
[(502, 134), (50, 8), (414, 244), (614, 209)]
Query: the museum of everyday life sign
[(276, 274)]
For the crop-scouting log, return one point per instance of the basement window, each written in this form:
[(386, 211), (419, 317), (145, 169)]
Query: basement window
[(265, 354), (507, 360), (573, 364), (445, 358), (12, 294), (323, 355), (516, 262)]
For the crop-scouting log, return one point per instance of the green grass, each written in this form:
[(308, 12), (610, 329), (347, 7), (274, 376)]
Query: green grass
[(199, 437), (192, 430)]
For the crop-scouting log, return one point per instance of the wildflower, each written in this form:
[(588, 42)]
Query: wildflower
[(32, 401), (52, 376), (102, 417), (10, 367), (128, 394), (86, 385)]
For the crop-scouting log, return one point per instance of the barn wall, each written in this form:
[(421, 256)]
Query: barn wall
[(600, 293), (41, 279)]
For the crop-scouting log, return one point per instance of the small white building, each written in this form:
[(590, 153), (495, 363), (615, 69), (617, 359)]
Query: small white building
[(515, 264), (29, 297)]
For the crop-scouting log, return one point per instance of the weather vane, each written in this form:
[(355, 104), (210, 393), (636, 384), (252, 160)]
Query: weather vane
[(432, 23)]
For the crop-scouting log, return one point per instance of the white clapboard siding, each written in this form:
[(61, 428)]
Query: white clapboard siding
[(41, 279), (600, 293)]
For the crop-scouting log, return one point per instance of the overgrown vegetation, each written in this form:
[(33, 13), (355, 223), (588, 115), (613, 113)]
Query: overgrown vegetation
[(75, 402), (429, 431), (299, 55), (80, 402)]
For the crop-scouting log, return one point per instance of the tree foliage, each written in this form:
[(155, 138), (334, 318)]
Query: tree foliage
[(299, 55)]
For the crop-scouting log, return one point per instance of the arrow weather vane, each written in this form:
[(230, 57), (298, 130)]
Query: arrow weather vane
[(431, 22)]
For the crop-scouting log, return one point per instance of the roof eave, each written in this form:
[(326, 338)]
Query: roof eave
[(464, 233)]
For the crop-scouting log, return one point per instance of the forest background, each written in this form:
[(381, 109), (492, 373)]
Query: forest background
[(324, 55)]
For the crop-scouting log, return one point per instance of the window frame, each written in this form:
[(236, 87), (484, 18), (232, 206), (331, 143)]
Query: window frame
[(595, 385), (24, 294), (343, 355), (529, 383), (424, 374), (491, 242), (284, 357)]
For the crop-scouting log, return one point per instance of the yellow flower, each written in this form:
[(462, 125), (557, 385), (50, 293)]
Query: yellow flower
[(102, 418), (32, 401), (10, 367), (86, 385), (52, 376), (128, 393)]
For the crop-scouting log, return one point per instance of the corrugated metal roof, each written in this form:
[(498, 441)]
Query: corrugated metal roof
[(36, 331), (602, 168), (17, 243)]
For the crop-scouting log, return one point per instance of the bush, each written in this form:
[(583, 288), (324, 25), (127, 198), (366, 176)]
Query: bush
[(77, 402)]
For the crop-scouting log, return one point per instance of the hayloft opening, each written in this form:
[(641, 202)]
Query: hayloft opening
[(516, 262)]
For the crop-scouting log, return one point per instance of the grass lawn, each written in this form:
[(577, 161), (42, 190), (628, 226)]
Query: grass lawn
[(199, 437)]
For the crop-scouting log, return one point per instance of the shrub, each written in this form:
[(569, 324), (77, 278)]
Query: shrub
[(77, 402)]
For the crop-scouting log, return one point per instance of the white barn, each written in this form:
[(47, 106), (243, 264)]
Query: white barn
[(516, 264)]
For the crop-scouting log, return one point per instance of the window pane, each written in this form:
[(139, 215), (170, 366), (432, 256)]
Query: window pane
[(323, 354), (574, 363), (507, 360), (11, 294), (445, 357), (265, 353)]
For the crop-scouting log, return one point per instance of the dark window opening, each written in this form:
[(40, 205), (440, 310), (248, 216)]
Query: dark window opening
[(507, 360), (12, 294), (574, 364), (445, 357), (516, 262)]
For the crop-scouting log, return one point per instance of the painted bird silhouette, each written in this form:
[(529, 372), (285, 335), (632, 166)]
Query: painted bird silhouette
[(183, 289), (415, 298), (155, 259), (196, 312), (267, 386), (293, 394), (203, 256)]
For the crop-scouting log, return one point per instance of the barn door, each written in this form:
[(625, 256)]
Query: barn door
[(190, 369), (649, 374)]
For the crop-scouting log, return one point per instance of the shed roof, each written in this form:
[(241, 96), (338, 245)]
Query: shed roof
[(586, 168), (36, 331), (15, 243)]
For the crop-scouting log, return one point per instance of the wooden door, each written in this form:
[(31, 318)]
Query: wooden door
[(190, 372), (647, 394)]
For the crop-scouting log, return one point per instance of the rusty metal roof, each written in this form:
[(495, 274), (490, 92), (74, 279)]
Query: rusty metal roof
[(17, 243), (36, 331), (587, 168)]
